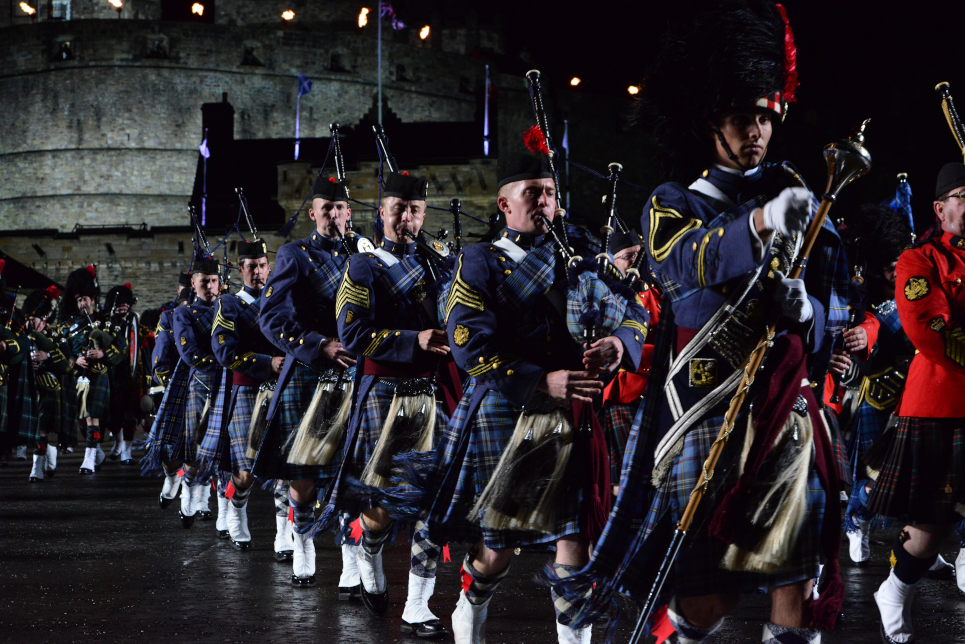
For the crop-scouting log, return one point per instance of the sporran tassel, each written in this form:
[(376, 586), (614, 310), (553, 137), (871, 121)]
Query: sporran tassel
[(259, 419), (408, 427), (780, 505), (321, 430), (525, 488), (83, 388)]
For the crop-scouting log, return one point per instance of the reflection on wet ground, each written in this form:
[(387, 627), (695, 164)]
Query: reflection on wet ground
[(85, 558)]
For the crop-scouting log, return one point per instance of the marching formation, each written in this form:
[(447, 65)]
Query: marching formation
[(678, 416)]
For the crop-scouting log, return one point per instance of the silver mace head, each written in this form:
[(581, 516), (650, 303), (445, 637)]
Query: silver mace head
[(847, 160)]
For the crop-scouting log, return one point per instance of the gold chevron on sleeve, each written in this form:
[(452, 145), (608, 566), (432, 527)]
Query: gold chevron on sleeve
[(159, 329), (636, 326), (667, 226), (489, 365), (955, 345), (220, 320), (350, 293), (240, 359), (462, 293), (377, 339)]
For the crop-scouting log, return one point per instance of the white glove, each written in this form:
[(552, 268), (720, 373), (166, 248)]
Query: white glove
[(793, 298), (788, 212)]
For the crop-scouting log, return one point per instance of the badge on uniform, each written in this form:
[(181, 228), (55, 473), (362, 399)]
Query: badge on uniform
[(184, 340), (269, 292), (937, 324), (349, 316), (365, 245), (703, 372), (916, 288), (460, 336)]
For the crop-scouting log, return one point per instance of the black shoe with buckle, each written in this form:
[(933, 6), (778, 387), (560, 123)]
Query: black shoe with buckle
[(241, 545), (303, 582), (376, 603), (426, 630)]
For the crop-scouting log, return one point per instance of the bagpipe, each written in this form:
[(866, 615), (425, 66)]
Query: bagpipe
[(350, 241)]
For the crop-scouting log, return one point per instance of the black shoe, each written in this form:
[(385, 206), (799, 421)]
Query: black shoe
[(128, 461), (426, 630), (284, 555), (50, 473), (187, 522), (86, 471), (377, 603), (34, 479), (204, 515), (887, 640), (303, 582), (223, 534), (348, 593), (163, 502), (241, 545), (860, 564), (944, 573)]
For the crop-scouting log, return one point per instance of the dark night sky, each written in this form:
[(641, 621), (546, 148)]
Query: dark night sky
[(857, 59)]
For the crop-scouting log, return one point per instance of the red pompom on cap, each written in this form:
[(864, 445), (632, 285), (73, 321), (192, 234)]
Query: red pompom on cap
[(405, 173), (331, 179), (791, 82), (535, 141), (128, 285), (90, 269), (53, 292)]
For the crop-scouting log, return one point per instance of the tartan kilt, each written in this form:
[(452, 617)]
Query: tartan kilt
[(98, 396), (225, 445), (617, 420), (365, 428), (866, 429), (698, 569), (923, 476), (51, 421), (489, 419), (293, 401), (166, 440), (194, 407)]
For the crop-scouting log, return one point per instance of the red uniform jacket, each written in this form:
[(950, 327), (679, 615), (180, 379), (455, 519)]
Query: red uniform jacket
[(930, 294), (628, 386)]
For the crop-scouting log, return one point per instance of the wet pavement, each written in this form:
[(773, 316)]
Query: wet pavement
[(85, 558)]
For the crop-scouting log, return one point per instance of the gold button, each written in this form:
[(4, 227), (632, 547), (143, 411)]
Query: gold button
[(310, 259), (482, 360), (502, 259), (314, 236), (281, 335), (373, 335), (958, 280), (724, 289), (507, 272), (636, 337), (814, 385), (720, 232), (336, 253), (301, 341), (291, 339), (398, 333), (509, 372), (303, 248), (948, 488), (695, 245)]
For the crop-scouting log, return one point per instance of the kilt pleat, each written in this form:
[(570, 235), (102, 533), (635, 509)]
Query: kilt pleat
[(697, 570), (226, 444), (166, 441), (617, 418), (923, 476)]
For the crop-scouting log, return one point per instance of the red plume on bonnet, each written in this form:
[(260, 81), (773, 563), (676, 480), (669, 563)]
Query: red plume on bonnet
[(535, 141), (128, 285), (3, 263), (790, 59), (90, 269), (53, 292)]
